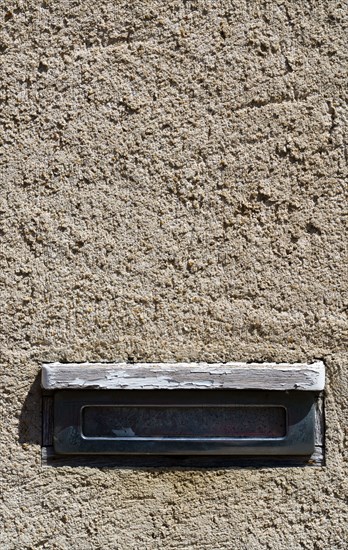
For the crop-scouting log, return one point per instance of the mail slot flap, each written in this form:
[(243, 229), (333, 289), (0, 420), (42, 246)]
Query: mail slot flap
[(221, 422)]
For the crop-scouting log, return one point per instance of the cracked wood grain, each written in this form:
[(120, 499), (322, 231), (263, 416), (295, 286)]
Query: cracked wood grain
[(150, 376)]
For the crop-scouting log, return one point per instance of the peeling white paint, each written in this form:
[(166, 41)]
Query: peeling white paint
[(269, 376)]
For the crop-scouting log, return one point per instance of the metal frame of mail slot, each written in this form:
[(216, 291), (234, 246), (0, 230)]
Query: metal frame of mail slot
[(299, 440)]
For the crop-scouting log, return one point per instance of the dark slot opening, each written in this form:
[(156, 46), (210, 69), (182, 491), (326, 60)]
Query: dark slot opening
[(110, 421)]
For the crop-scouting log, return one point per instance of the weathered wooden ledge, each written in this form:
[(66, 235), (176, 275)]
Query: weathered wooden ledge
[(163, 376)]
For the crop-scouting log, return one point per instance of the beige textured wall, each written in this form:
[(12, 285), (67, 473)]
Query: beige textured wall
[(173, 188)]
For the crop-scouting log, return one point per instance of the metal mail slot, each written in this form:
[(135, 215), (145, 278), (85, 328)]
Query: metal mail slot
[(184, 422)]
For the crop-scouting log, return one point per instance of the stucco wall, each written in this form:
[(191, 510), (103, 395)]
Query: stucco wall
[(173, 188)]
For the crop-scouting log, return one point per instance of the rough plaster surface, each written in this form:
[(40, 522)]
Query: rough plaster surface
[(173, 186)]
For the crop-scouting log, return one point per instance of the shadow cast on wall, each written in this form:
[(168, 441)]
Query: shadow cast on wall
[(30, 424)]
